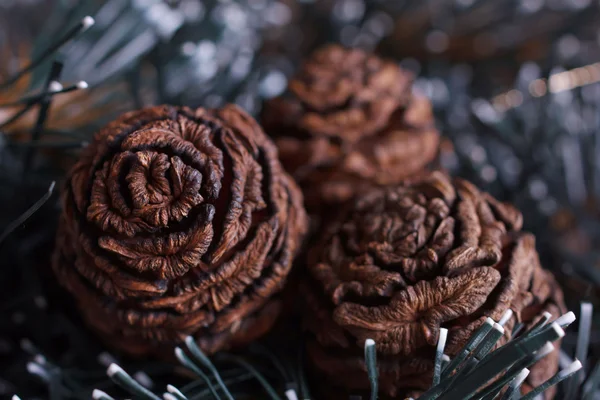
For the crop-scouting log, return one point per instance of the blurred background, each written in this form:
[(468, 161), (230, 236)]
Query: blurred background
[(515, 85)]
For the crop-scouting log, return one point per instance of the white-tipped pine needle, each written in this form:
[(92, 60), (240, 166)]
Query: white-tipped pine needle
[(143, 379), (445, 361), (98, 394), (583, 336), (514, 389), (27, 214), (87, 22), (570, 370), (591, 386), (78, 86), (123, 379), (513, 372), (169, 396), (541, 322), (559, 377), (439, 353), (54, 87), (506, 317), (499, 361), (581, 350), (205, 361), (566, 319), (175, 392), (114, 369), (81, 27), (37, 370), (564, 360), (535, 341), (489, 342), (291, 394), (15, 397), (544, 351), (371, 363), (188, 363), (472, 343)]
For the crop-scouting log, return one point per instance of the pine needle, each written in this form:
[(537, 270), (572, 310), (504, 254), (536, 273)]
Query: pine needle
[(27, 214)]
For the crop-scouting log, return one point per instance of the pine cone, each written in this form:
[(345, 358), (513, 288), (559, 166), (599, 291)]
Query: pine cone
[(350, 122), (400, 263), (179, 222)]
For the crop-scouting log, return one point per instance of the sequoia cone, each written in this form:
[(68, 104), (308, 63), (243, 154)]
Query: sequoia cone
[(399, 263), (349, 122), (178, 222)]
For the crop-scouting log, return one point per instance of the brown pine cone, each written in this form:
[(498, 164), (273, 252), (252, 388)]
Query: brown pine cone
[(349, 122), (400, 263), (179, 222)]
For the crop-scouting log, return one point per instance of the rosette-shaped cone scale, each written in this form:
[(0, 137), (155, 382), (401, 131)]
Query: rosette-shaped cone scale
[(398, 264), (349, 121), (178, 222)]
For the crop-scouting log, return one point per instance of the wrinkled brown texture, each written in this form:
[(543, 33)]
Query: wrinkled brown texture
[(179, 222), (398, 264), (350, 122)]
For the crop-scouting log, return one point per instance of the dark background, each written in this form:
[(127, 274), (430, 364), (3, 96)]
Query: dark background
[(515, 87)]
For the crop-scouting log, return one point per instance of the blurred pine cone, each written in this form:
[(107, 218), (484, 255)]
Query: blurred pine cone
[(400, 263), (350, 122), (179, 222)]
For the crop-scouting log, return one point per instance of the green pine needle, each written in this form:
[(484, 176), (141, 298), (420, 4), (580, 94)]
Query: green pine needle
[(175, 393), (123, 379), (514, 389), (259, 377), (477, 371), (371, 363), (472, 343), (201, 357), (581, 350), (98, 394), (557, 378), (439, 354), (188, 363), (592, 384)]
